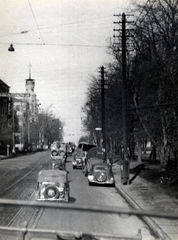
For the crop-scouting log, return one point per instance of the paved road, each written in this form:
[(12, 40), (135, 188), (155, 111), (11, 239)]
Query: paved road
[(18, 180)]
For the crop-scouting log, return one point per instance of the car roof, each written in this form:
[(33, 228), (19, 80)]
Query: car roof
[(86, 146), (96, 152), (52, 176)]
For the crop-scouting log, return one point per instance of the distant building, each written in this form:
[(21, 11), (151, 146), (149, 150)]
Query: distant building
[(26, 107), (5, 114), (4, 98)]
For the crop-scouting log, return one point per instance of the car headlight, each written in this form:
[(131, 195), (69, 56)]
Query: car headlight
[(61, 189), (90, 177)]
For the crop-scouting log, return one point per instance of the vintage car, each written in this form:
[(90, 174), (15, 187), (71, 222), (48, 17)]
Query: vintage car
[(80, 154), (94, 155), (89, 162), (63, 150), (52, 185), (57, 162), (78, 159), (59, 151), (101, 173), (54, 148)]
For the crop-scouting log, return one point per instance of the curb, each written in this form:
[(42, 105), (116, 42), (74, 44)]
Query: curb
[(152, 225)]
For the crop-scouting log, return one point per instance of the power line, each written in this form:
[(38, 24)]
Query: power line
[(36, 22), (56, 44)]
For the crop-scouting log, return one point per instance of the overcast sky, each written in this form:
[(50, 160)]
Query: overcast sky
[(65, 42)]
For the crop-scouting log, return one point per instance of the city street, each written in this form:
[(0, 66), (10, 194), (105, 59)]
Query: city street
[(18, 181)]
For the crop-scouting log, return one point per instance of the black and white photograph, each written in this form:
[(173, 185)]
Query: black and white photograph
[(89, 119)]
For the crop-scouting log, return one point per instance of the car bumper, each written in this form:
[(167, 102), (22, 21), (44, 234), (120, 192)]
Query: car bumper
[(109, 181), (77, 164), (52, 200)]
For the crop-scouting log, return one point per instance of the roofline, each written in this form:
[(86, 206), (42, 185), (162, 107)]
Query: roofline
[(3, 83)]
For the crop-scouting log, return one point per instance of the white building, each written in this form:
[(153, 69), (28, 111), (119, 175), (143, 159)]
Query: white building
[(26, 108)]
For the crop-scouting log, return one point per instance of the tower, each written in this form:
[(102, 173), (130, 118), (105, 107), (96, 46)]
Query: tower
[(30, 83)]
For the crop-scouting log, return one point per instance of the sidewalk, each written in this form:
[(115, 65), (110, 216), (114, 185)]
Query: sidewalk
[(3, 157), (144, 195), (12, 155)]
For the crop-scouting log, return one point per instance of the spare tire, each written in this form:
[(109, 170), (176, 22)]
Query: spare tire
[(54, 152), (51, 192), (101, 177)]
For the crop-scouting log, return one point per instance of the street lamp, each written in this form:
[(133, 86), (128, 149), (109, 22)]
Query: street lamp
[(11, 48), (98, 141)]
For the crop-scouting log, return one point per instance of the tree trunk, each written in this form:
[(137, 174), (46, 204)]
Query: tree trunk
[(139, 153)]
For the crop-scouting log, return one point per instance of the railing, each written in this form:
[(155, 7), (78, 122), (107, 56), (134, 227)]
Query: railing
[(26, 233)]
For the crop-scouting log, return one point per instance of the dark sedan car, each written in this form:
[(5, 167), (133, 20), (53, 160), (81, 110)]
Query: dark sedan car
[(94, 155), (78, 159), (101, 173), (80, 155)]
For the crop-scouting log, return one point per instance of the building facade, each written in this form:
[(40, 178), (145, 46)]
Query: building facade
[(26, 108), (6, 114)]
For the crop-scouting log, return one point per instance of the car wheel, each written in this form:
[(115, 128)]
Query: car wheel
[(89, 183), (74, 167), (51, 192)]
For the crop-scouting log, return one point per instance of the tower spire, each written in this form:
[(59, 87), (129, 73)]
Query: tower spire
[(30, 71)]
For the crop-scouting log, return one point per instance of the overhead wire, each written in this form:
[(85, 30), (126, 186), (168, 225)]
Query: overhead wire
[(36, 21), (56, 44)]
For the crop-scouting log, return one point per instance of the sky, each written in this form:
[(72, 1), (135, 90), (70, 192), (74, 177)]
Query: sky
[(64, 43)]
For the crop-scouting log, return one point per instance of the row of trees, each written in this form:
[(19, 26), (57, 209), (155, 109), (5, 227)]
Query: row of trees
[(152, 77), (45, 130), (33, 134)]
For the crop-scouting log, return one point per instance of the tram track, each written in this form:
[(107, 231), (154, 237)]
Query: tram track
[(20, 179), (21, 188)]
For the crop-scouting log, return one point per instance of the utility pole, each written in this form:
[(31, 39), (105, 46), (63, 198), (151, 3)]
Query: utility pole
[(125, 177), (13, 131), (103, 109), (124, 82), (125, 145)]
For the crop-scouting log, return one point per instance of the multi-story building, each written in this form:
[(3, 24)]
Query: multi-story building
[(4, 98), (5, 115), (26, 107), (18, 109)]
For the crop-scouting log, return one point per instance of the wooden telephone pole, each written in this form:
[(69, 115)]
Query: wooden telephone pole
[(125, 114), (126, 163), (103, 108)]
